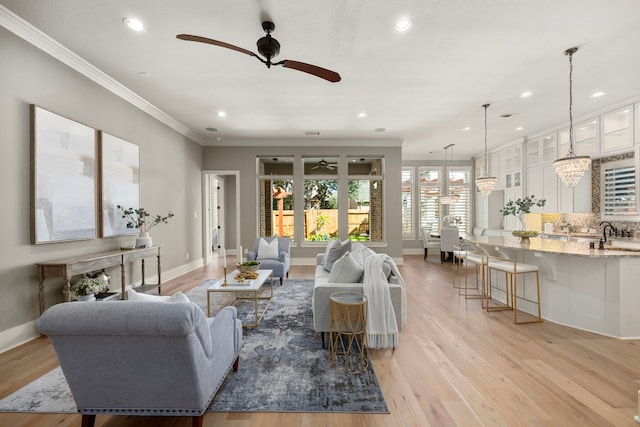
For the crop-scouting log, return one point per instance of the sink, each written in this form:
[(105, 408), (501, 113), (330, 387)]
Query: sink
[(630, 245)]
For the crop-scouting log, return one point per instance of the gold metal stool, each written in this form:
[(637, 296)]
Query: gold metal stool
[(465, 255), (348, 332)]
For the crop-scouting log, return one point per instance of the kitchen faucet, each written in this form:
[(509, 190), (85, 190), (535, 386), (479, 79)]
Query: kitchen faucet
[(610, 227)]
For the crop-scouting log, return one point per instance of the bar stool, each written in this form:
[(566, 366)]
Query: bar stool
[(511, 269), (464, 254), (491, 255)]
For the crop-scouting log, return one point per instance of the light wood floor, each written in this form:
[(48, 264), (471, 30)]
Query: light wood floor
[(455, 365)]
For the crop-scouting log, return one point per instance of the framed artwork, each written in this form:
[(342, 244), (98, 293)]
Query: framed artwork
[(63, 178), (119, 183)]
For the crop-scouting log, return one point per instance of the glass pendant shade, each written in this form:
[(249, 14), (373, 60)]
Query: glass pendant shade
[(450, 199), (571, 168), (486, 184)]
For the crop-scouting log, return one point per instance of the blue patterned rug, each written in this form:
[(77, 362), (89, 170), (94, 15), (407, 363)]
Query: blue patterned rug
[(283, 367)]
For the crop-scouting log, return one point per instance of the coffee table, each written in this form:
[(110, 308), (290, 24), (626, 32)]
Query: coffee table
[(251, 287)]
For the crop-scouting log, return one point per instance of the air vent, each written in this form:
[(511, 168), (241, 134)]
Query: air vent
[(312, 133)]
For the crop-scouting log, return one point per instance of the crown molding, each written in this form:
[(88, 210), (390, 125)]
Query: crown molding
[(42, 41)]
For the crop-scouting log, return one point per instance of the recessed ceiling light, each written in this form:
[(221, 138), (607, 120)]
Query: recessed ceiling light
[(598, 94), (403, 25), (362, 115), (465, 129), (222, 114), (379, 129), (526, 94), (519, 128), (134, 24)]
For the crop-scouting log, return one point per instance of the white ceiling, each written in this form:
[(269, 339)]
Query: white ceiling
[(423, 86)]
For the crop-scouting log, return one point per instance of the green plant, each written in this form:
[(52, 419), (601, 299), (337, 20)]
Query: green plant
[(86, 286), (521, 207), (141, 219)]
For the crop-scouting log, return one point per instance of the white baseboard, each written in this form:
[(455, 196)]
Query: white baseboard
[(18, 335)]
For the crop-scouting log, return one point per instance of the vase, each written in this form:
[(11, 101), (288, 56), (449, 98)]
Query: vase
[(90, 297), (143, 240)]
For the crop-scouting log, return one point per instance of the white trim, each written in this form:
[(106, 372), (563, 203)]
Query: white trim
[(18, 335), (42, 41)]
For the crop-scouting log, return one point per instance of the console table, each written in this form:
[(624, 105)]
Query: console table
[(68, 267)]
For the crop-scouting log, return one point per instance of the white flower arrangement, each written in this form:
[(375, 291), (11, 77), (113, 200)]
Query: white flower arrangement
[(86, 286)]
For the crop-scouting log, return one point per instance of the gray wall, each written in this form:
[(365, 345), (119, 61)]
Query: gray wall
[(171, 167), (243, 158)]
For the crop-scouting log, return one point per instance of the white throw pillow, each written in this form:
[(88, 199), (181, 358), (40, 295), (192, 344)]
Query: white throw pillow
[(345, 270), (268, 250), (335, 252), (132, 295)]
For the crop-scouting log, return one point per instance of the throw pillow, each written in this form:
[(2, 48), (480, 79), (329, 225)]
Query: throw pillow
[(345, 270), (268, 250), (326, 251), (132, 295), (335, 252)]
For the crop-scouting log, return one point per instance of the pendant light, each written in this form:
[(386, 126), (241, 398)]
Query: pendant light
[(571, 168), (486, 183), (451, 198)]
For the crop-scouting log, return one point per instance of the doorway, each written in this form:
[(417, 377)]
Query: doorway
[(221, 216)]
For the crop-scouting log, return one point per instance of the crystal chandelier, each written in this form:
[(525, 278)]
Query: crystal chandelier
[(451, 198), (571, 168), (486, 183)]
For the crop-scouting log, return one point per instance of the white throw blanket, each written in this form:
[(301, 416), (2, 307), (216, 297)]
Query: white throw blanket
[(382, 327)]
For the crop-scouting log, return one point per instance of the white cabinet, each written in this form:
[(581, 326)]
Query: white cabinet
[(616, 130), (542, 182), (576, 199), (585, 139), (542, 150)]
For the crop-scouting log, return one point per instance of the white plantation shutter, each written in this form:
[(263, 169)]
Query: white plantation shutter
[(619, 189), (430, 192), (407, 202), (459, 184)]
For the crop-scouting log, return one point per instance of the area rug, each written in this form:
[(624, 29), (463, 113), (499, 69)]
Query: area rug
[(283, 367)]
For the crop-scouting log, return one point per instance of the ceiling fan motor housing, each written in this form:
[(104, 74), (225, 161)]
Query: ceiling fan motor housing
[(268, 47)]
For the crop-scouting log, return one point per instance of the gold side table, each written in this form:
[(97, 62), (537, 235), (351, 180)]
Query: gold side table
[(348, 332)]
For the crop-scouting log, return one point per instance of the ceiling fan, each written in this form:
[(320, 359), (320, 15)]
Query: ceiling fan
[(269, 48), (326, 165)]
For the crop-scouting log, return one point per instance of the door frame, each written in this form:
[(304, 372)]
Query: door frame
[(206, 201)]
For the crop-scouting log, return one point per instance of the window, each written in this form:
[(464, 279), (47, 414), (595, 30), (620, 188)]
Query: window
[(366, 201), (430, 191), (320, 209), (407, 202), (459, 184), (618, 183), (275, 193)]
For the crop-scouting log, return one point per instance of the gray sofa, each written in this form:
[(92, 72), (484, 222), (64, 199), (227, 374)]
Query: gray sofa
[(322, 290), (142, 357)]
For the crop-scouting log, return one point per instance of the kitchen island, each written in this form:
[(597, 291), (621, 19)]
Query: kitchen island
[(589, 289)]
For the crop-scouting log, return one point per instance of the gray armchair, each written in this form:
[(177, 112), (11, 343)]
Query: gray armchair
[(142, 357), (280, 265)]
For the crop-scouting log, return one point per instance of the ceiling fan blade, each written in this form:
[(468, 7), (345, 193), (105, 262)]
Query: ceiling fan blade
[(314, 70), (192, 38)]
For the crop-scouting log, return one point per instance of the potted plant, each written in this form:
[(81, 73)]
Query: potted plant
[(518, 209), (143, 221), (85, 288)]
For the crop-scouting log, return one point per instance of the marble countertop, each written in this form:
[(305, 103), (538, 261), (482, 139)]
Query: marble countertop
[(559, 247)]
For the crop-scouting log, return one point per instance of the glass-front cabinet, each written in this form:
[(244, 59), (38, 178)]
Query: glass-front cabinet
[(616, 130), (585, 141)]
